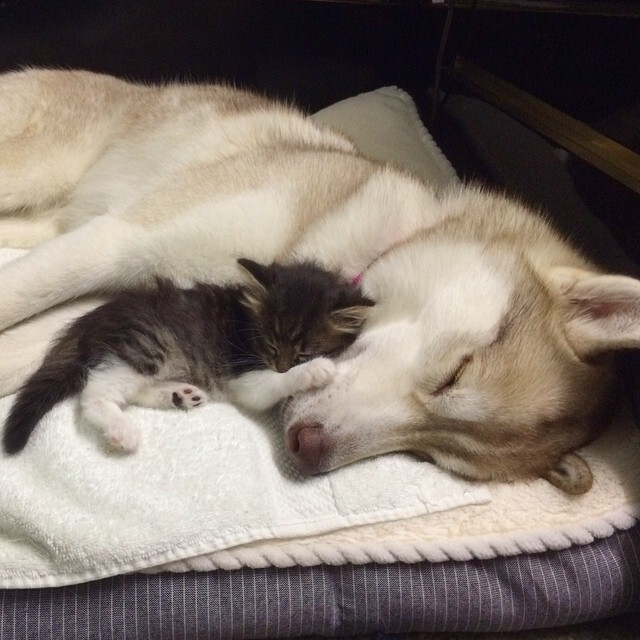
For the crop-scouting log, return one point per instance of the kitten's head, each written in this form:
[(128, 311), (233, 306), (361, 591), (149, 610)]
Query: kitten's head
[(301, 311)]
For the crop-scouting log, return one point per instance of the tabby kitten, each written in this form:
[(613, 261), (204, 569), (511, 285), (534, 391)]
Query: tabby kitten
[(253, 344)]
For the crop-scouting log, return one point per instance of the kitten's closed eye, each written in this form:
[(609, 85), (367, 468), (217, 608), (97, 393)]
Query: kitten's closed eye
[(271, 348)]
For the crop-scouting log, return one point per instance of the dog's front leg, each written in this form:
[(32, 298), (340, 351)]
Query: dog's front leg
[(99, 256)]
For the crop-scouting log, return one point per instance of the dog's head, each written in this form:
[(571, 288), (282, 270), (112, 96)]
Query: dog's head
[(474, 358)]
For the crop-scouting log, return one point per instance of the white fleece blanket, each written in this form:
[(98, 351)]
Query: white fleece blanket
[(522, 517), (202, 482)]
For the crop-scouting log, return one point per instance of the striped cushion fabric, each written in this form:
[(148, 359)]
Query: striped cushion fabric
[(506, 593)]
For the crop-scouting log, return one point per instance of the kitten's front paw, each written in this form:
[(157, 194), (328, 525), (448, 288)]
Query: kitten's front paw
[(187, 397), (316, 373)]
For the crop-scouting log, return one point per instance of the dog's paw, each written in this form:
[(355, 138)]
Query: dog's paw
[(186, 396), (316, 373), (123, 436)]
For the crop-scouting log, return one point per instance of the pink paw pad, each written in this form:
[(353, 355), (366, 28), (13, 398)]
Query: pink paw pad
[(187, 398)]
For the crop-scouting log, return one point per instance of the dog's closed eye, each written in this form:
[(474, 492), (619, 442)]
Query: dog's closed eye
[(452, 378)]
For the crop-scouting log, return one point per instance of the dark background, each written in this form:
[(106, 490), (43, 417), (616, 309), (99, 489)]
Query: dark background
[(315, 53)]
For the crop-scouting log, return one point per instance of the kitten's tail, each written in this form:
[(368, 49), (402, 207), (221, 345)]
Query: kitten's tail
[(61, 375)]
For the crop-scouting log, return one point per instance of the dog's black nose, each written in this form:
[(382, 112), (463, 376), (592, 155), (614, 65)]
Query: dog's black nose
[(305, 445)]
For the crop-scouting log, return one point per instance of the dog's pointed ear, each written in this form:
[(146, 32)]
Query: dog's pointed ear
[(350, 319), (570, 474), (603, 310)]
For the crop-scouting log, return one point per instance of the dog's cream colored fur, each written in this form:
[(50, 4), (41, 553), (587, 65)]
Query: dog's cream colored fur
[(489, 349)]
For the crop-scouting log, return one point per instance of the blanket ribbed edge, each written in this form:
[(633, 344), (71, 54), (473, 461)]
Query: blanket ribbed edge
[(387, 551)]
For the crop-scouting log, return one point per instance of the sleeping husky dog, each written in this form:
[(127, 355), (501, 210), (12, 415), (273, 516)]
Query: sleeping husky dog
[(489, 350)]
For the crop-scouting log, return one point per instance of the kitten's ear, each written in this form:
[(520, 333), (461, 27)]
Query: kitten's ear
[(260, 274), (350, 319), (252, 295), (366, 302)]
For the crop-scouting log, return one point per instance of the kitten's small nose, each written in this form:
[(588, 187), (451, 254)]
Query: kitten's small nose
[(305, 446), (283, 362)]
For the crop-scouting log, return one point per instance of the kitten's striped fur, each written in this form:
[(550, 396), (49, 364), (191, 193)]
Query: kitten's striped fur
[(177, 347)]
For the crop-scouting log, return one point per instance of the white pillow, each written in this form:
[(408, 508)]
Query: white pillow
[(384, 124)]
